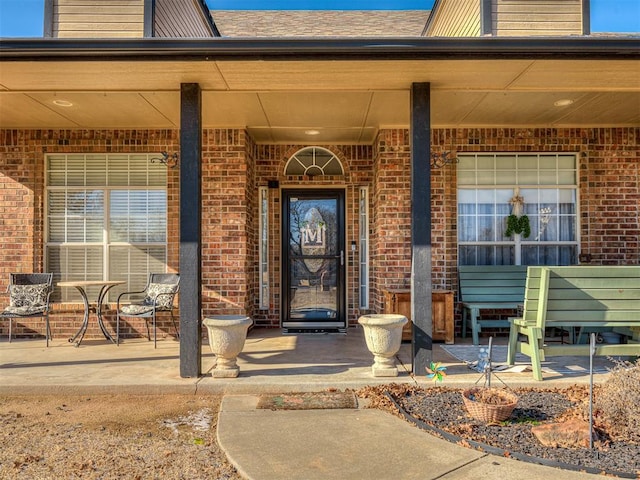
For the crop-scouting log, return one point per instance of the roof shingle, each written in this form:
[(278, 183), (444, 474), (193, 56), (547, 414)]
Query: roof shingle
[(320, 23)]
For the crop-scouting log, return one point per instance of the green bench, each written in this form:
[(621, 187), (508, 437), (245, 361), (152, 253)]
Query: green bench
[(489, 287), (587, 297)]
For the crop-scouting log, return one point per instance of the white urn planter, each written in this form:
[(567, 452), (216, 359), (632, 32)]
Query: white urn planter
[(383, 334), (227, 334)]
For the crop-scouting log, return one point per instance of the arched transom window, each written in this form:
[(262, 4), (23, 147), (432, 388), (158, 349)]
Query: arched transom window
[(313, 161)]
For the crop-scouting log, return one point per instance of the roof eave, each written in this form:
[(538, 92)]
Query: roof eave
[(314, 48)]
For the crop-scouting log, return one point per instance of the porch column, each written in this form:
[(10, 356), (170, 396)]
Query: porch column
[(421, 227), (190, 239)]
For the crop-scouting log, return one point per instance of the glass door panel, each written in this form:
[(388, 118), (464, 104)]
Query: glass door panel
[(314, 260)]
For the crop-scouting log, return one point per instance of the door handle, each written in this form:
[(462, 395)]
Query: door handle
[(341, 257)]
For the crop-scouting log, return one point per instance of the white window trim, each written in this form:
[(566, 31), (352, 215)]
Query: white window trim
[(263, 247), (363, 237), (315, 167), (518, 242)]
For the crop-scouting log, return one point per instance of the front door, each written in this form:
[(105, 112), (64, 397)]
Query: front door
[(313, 261)]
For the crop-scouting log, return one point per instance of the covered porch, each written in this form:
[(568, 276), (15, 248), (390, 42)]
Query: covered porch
[(233, 110), (270, 362)]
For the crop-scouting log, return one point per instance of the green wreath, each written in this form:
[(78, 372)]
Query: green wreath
[(519, 225)]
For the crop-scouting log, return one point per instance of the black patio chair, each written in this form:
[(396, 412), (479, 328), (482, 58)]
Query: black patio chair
[(29, 297), (159, 295)]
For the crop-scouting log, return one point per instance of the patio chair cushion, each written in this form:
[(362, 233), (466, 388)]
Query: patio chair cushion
[(163, 302), (26, 300), (136, 309), (29, 296), (23, 311)]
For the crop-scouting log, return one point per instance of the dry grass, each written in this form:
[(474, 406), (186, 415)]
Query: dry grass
[(616, 402), (111, 437)]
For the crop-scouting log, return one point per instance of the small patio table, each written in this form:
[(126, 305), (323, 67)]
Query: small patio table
[(105, 286)]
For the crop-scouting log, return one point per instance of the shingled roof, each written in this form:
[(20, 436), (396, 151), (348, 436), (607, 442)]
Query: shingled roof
[(320, 23)]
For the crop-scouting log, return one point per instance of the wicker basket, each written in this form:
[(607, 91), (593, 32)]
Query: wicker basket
[(487, 412)]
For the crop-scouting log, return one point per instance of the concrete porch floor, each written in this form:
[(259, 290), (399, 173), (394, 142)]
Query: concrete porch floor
[(270, 362)]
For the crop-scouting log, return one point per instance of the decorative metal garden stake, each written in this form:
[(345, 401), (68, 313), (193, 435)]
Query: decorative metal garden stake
[(484, 362), (592, 351), (485, 365), (436, 372)]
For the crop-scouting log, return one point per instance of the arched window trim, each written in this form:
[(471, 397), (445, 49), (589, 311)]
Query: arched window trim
[(313, 164)]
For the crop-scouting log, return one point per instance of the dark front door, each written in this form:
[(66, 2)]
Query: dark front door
[(313, 261)]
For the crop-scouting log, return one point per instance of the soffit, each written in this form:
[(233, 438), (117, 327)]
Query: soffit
[(260, 75), (348, 101), (108, 76), (90, 110)]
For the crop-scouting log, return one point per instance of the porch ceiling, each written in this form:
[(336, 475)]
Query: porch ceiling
[(346, 100)]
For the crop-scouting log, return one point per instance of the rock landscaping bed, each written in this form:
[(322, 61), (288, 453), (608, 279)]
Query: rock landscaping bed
[(441, 411)]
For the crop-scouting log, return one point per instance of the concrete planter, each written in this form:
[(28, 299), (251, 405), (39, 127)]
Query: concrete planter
[(383, 334), (227, 334)]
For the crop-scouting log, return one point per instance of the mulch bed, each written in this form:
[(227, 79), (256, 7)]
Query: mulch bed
[(441, 412)]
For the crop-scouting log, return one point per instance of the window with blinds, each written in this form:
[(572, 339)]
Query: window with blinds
[(106, 219), (495, 189)]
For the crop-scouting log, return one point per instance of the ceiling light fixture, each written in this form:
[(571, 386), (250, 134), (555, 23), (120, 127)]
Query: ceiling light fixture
[(62, 103), (563, 103), (312, 132)]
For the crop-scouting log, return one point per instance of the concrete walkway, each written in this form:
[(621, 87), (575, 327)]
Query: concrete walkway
[(265, 444), (356, 444)]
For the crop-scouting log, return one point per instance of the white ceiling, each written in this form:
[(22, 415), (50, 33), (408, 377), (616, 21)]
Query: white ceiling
[(347, 101)]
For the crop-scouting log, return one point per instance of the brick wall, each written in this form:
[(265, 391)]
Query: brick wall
[(22, 213), (610, 196), (252, 222), (234, 167), (390, 214), (444, 211), (227, 245), (21, 190), (609, 180)]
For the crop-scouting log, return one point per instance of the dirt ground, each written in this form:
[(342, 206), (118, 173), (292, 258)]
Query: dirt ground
[(111, 436)]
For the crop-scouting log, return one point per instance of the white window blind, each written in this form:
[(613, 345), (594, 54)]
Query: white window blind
[(105, 218)]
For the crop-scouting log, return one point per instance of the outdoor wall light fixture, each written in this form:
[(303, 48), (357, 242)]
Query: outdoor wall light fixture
[(439, 160), (170, 160)]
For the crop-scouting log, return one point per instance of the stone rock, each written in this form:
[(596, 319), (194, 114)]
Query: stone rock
[(569, 434)]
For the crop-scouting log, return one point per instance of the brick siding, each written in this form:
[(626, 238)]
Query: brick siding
[(227, 246), (233, 168), (22, 214)]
